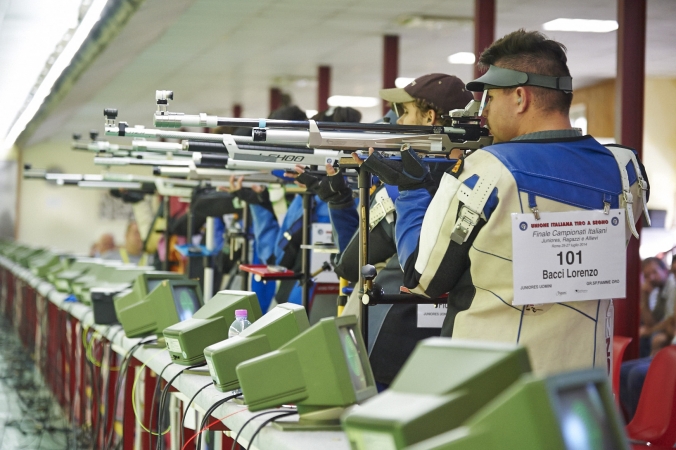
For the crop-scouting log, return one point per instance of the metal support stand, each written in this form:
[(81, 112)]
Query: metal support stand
[(209, 261), (305, 252), (167, 244), (244, 259), (364, 186), (189, 233)]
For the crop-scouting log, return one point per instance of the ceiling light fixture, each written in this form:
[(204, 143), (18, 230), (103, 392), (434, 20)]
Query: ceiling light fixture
[(581, 25), (432, 22), (402, 81), (353, 101), (60, 64), (462, 58)]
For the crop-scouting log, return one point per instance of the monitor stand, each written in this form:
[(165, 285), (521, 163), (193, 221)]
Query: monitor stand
[(198, 371), (159, 344), (313, 418)]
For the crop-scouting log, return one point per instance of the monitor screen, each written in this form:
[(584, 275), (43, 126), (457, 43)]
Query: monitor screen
[(152, 283), (584, 419), (353, 357), (187, 302)]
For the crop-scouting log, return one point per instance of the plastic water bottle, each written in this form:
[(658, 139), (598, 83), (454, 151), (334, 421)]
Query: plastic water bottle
[(240, 323)]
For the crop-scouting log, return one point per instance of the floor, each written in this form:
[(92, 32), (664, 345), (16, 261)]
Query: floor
[(29, 417)]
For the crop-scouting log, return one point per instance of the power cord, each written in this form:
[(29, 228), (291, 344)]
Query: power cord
[(124, 367), (165, 392), (234, 443), (267, 421), (187, 406), (208, 414), (152, 407)]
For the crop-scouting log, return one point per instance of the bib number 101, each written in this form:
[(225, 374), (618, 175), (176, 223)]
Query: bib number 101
[(570, 257)]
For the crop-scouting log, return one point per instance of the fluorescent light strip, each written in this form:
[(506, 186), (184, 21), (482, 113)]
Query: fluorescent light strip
[(462, 58), (353, 101), (581, 25), (62, 62), (402, 81)]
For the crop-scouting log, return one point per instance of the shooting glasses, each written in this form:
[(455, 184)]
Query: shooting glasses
[(501, 78)]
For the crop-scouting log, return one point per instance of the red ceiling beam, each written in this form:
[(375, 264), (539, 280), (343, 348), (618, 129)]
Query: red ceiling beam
[(484, 28), (323, 87), (631, 44), (390, 64)]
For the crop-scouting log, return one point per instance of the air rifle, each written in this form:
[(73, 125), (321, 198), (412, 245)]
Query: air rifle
[(466, 132), (241, 152)]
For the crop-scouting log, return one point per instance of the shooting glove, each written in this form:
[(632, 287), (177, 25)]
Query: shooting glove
[(253, 198), (332, 189), (409, 173), (128, 196)]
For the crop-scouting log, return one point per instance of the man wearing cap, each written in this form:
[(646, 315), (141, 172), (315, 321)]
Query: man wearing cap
[(458, 238)]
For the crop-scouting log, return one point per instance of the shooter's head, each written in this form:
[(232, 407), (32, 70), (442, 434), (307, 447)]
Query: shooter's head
[(428, 99), (527, 87)]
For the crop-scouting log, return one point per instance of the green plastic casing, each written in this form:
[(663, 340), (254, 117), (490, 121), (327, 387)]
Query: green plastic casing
[(24, 256), (314, 370), (186, 340), (119, 277), (140, 290), (41, 265), (283, 323), (529, 415), (157, 311), (443, 378)]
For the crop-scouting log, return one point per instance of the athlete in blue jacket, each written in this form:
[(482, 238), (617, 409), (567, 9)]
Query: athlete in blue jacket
[(457, 238)]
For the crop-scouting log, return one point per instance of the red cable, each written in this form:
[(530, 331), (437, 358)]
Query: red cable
[(207, 427)]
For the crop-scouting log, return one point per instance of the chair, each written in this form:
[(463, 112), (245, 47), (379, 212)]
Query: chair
[(620, 344), (655, 418)]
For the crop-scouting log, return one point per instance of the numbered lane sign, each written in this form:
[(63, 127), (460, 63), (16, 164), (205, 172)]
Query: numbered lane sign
[(568, 256)]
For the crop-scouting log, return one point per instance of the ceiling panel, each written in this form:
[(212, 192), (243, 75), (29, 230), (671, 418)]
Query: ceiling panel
[(214, 53)]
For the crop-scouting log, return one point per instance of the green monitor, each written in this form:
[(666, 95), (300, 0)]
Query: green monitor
[(24, 257), (118, 277), (97, 275), (186, 340), (172, 301), (42, 265), (283, 323), (142, 286), (322, 371), (569, 411), (443, 383), (64, 281), (15, 251)]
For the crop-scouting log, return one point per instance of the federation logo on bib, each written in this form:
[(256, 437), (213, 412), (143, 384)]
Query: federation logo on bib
[(523, 226), (614, 221)]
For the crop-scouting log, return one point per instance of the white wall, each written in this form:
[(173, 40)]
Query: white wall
[(659, 144), (64, 217)]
